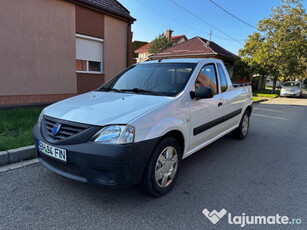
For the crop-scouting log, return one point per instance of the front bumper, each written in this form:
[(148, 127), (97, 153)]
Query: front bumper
[(112, 165), (290, 94)]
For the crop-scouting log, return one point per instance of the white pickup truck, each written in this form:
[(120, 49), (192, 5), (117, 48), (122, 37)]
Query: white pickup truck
[(138, 126)]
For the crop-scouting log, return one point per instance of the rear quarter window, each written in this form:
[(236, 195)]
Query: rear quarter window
[(223, 80)]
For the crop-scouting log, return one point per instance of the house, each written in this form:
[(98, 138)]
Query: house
[(143, 53), (198, 47), (51, 50), (135, 46)]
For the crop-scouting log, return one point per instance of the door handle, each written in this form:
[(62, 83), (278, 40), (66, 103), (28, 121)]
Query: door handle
[(220, 104)]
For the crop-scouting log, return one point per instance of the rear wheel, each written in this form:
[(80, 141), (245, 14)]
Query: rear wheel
[(242, 130), (162, 169)]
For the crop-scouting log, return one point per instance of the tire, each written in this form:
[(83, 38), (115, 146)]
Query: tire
[(162, 169), (241, 132)]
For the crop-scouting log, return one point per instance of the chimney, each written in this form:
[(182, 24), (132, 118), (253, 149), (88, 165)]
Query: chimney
[(168, 34), (208, 42)]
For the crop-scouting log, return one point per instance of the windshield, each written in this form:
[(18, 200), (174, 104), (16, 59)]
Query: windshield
[(165, 79), (292, 84)]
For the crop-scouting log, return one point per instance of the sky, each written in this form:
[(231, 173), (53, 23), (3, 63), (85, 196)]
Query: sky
[(155, 17)]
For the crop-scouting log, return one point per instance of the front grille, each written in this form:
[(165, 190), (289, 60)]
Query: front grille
[(64, 167), (66, 130)]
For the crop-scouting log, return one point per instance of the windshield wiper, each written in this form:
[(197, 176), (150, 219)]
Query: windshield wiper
[(110, 89), (138, 90)]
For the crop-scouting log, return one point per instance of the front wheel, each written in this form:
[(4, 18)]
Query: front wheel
[(163, 166), (242, 130)]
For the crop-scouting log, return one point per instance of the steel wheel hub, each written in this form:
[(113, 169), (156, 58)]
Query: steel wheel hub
[(245, 125), (166, 167)]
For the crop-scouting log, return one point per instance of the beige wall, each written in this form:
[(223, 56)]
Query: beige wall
[(37, 47), (115, 46)]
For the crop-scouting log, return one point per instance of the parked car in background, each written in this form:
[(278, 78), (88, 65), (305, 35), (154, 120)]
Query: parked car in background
[(291, 89), (137, 127)]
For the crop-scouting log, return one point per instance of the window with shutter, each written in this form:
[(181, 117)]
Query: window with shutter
[(89, 54)]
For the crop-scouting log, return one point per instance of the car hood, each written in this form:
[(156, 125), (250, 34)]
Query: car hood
[(102, 108)]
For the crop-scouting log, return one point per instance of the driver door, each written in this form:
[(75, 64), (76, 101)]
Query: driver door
[(205, 112)]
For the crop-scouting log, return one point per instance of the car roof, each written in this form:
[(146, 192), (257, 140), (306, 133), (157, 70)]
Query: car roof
[(179, 60)]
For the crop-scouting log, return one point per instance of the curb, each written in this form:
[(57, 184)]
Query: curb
[(258, 101), (16, 155), (265, 99)]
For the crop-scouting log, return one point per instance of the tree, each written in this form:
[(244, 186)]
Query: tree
[(160, 43), (282, 49)]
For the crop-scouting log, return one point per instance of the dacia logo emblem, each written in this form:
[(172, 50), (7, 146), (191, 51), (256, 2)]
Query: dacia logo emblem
[(56, 129)]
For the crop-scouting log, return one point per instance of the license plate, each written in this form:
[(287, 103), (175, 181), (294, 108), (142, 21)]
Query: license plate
[(52, 151)]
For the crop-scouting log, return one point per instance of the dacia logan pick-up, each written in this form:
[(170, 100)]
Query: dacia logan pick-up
[(138, 126)]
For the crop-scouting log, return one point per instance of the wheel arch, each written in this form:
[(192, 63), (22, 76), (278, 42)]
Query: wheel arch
[(249, 109), (178, 136)]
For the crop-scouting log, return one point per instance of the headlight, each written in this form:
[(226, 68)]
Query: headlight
[(115, 134), (40, 118)]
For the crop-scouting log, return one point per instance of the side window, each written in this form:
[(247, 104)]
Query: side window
[(207, 77), (223, 80)]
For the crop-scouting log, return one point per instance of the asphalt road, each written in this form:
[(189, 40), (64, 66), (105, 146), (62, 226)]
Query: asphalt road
[(263, 175)]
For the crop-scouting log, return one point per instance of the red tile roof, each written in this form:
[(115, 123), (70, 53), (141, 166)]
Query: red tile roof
[(195, 46), (111, 6), (144, 48)]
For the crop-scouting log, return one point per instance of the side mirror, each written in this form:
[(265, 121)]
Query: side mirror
[(201, 93)]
